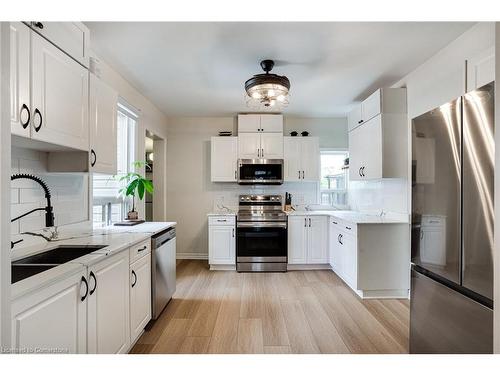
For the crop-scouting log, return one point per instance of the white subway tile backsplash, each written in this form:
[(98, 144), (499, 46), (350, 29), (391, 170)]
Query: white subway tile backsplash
[(69, 192)]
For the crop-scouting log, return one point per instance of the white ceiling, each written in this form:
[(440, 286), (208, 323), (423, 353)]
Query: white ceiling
[(198, 69)]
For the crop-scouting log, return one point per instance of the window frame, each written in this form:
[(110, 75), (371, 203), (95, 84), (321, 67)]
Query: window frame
[(345, 191), (106, 202)]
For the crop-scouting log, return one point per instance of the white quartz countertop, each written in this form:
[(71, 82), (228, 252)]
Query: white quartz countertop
[(356, 217), (221, 214), (115, 239)]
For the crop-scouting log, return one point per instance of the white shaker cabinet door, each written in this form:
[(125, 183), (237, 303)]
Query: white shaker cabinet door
[(103, 117), (318, 240), (249, 146), (222, 244), (224, 159), (248, 123), (52, 318), (310, 159), (59, 96), (292, 159), (297, 239), (271, 145), (140, 296), (108, 305), (20, 107), (271, 123)]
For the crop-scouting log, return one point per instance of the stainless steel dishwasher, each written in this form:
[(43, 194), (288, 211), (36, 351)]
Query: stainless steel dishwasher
[(163, 270)]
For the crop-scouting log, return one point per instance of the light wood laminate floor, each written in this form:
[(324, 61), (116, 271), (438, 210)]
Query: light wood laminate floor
[(293, 312)]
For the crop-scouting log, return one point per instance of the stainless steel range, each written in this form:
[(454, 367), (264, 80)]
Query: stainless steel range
[(261, 231)]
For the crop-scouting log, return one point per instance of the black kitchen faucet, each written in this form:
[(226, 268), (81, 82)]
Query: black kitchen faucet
[(49, 214)]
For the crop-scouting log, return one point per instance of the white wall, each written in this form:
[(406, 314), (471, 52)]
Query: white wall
[(4, 185), (191, 194)]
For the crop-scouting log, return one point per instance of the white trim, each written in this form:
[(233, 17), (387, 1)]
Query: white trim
[(308, 267), (223, 267), (203, 256)]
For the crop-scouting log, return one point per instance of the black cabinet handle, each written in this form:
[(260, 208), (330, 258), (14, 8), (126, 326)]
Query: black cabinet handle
[(233, 232), (84, 280), (360, 168), (305, 222), (334, 222), (92, 163), (37, 112), (24, 124), (142, 248), (299, 175), (363, 171), (340, 239), (95, 282), (135, 278), (38, 25), (348, 228), (360, 121), (309, 222)]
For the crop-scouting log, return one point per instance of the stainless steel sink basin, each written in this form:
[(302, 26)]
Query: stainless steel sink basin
[(34, 264)]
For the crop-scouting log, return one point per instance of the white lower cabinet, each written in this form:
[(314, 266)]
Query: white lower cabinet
[(222, 241), (108, 305), (307, 239), (140, 296), (52, 319)]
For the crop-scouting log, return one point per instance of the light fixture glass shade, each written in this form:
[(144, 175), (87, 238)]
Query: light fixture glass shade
[(267, 91)]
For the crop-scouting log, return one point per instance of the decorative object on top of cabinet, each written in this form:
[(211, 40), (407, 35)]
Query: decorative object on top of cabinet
[(267, 90), (71, 37), (225, 133), (301, 158), (305, 133), (103, 105), (293, 134), (384, 100), (378, 147), (224, 159)]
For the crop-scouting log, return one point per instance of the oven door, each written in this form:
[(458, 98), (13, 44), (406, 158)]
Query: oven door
[(260, 172), (261, 242)]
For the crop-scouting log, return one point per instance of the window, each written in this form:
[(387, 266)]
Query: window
[(108, 205), (333, 184)]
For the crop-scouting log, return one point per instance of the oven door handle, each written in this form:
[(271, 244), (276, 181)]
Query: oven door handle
[(262, 225)]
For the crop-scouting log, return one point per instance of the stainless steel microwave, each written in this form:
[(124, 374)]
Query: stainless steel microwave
[(260, 171)]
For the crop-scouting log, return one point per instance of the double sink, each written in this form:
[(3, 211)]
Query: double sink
[(26, 267)]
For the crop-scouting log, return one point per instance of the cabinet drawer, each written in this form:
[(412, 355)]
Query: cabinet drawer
[(343, 226), (140, 249), (222, 220), (371, 106)]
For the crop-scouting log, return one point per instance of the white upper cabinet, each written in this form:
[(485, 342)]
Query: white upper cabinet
[(384, 100), (260, 123), (271, 123), (271, 145), (378, 147), (71, 37), (301, 158), (248, 123), (20, 79), (224, 159), (108, 306), (52, 317), (481, 69), (354, 118), (59, 96), (103, 116), (249, 146)]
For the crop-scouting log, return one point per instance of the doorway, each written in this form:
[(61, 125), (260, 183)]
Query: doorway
[(155, 154)]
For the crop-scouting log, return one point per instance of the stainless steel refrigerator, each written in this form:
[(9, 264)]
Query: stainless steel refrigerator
[(453, 150)]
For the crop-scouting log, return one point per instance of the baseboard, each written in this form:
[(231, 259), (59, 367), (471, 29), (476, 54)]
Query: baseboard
[(306, 267), (203, 256)]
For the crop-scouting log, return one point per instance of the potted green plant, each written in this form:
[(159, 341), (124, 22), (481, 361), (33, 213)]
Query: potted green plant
[(135, 184)]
